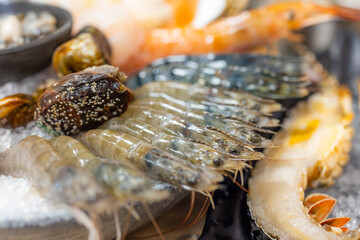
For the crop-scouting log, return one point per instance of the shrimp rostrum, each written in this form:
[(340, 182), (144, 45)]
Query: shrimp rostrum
[(314, 145)]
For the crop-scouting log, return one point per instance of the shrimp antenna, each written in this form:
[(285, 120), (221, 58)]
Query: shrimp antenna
[(201, 213), (191, 208), (148, 212), (192, 203), (236, 182), (132, 211), (207, 193), (126, 225), (90, 221), (117, 225)]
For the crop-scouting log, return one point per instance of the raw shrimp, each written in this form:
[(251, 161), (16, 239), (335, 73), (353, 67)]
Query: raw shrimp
[(122, 181), (266, 76), (236, 128), (242, 32), (199, 117), (122, 147), (227, 111), (195, 152), (314, 145), (173, 125), (133, 27), (37, 160), (186, 91)]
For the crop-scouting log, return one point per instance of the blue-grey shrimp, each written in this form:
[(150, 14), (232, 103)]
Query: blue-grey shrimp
[(231, 125), (186, 91), (262, 75), (236, 128), (223, 110), (176, 126), (165, 167), (57, 179), (194, 151)]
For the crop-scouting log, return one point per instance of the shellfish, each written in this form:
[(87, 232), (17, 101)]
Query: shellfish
[(89, 48), (139, 36), (314, 146), (82, 100)]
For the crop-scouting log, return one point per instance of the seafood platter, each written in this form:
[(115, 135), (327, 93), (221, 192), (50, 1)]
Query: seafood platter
[(136, 113)]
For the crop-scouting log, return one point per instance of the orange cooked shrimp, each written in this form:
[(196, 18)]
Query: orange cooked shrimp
[(126, 22), (237, 33), (140, 31)]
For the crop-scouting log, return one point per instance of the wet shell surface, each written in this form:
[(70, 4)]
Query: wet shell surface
[(82, 100)]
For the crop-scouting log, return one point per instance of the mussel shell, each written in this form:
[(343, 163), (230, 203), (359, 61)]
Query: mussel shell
[(100, 40), (16, 110), (89, 48), (81, 101)]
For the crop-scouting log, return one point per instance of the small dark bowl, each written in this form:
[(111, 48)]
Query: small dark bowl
[(27, 59)]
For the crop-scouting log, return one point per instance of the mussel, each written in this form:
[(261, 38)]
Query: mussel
[(88, 48), (16, 110), (83, 100)]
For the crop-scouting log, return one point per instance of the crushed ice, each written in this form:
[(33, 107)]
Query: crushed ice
[(20, 204), (346, 189)]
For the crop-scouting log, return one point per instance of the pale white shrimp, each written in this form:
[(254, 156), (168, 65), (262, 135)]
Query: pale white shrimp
[(314, 146), (37, 160)]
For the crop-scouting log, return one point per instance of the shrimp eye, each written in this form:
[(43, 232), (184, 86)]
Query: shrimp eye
[(218, 162), (255, 138), (233, 151), (254, 120)]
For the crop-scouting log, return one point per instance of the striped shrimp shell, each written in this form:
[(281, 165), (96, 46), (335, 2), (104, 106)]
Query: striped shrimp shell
[(122, 181), (193, 151), (173, 125), (122, 147)]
